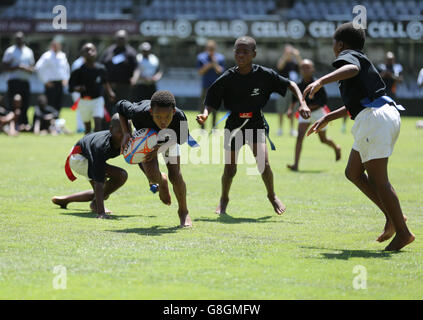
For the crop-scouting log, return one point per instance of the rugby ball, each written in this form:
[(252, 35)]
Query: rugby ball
[(142, 142)]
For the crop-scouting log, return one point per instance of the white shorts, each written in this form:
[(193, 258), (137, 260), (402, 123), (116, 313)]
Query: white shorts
[(91, 108), (315, 115), (375, 132), (79, 164)]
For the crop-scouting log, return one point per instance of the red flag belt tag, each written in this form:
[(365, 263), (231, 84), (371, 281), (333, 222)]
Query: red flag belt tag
[(246, 115)]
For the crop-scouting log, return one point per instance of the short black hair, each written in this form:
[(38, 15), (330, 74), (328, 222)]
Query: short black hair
[(164, 99), (353, 37), (250, 41)]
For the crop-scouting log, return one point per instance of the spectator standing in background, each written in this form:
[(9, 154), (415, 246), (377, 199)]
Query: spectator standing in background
[(391, 74), (80, 127), (89, 80), (120, 60), (18, 61), (146, 75), (210, 65), (54, 71), (288, 67)]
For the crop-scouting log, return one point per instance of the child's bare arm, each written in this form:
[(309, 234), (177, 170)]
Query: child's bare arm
[(323, 121), (201, 118), (345, 72), (110, 92), (304, 110), (126, 128)]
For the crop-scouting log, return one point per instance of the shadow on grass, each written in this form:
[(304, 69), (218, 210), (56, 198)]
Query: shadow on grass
[(344, 254), (152, 231), (226, 218), (308, 171), (91, 215)]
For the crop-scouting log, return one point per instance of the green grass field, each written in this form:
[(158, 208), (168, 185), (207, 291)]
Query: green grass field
[(308, 253)]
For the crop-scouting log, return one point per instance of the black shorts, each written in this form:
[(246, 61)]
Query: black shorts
[(235, 139)]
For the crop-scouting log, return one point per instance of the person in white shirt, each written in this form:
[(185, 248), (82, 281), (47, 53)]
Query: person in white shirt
[(18, 62), (54, 71), (146, 75)]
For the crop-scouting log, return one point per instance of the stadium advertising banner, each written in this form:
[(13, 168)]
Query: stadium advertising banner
[(182, 29), (293, 29)]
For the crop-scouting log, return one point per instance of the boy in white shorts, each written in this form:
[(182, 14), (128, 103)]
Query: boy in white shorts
[(376, 128), (89, 81), (88, 159), (316, 106)]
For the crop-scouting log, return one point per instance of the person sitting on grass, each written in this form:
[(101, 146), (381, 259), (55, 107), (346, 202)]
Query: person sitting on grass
[(44, 117), (316, 106), (9, 119), (88, 158), (376, 128)]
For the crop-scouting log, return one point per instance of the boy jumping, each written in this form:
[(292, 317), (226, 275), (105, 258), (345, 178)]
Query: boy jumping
[(375, 131), (245, 90), (88, 158)]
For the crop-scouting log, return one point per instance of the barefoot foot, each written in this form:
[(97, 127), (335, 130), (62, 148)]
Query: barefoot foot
[(185, 219), (400, 242), (60, 201), (221, 208), (292, 167), (388, 231), (93, 207), (278, 206)]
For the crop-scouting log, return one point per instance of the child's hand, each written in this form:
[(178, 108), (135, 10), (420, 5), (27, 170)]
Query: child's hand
[(151, 155), (304, 111), (317, 126), (311, 89), (201, 119)]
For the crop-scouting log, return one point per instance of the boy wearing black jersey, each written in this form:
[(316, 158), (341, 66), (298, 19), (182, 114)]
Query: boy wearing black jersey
[(88, 158), (376, 128), (245, 90), (161, 114)]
